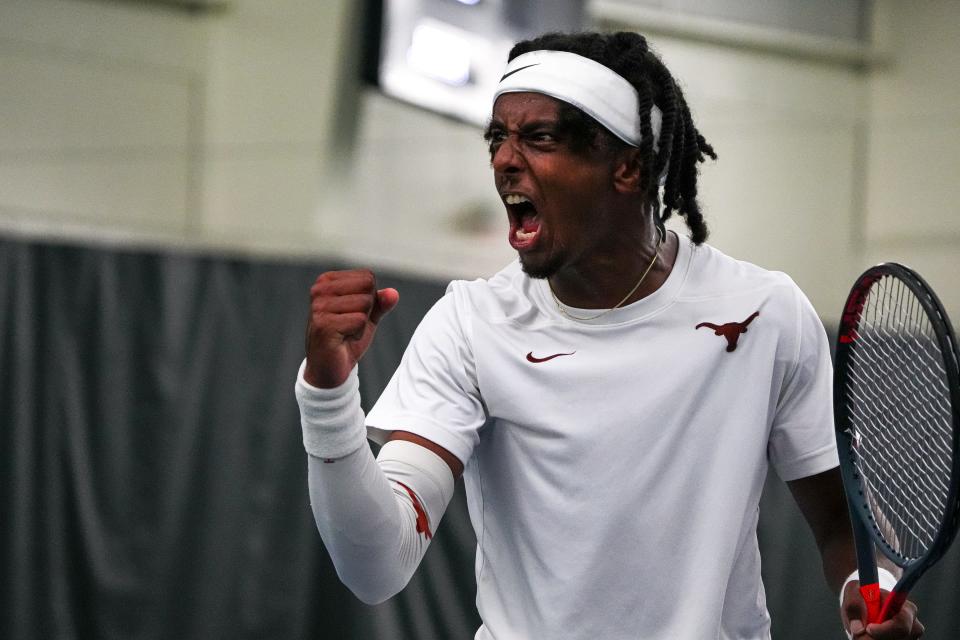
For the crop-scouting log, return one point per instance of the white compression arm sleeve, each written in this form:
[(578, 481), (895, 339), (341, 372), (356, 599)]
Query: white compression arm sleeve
[(376, 517)]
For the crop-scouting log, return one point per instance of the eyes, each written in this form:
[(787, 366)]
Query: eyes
[(540, 137)]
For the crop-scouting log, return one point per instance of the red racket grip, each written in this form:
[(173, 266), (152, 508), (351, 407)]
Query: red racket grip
[(871, 595)]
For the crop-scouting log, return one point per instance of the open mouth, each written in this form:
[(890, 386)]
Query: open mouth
[(524, 221)]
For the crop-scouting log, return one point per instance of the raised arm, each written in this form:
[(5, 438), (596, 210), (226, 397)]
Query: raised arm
[(376, 517)]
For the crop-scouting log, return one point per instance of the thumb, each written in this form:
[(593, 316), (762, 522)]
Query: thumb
[(853, 611), (387, 299), (856, 629)]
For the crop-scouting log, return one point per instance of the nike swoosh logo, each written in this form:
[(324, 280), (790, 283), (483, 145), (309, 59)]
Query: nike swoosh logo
[(532, 358), (510, 73)]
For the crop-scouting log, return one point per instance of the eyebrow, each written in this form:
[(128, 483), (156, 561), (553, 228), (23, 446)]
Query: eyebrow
[(526, 127)]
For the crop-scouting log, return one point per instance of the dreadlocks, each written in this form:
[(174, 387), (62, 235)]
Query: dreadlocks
[(681, 147)]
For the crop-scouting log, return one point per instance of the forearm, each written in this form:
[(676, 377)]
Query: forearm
[(838, 554), (824, 506)]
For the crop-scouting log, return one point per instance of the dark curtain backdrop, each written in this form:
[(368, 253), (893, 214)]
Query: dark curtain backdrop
[(153, 481)]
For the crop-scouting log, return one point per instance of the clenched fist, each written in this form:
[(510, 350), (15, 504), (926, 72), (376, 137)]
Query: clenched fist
[(345, 307)]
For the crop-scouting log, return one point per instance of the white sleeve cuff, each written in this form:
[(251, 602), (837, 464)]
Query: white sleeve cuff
[(332, 419)]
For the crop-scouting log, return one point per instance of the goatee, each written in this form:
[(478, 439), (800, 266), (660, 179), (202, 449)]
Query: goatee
[(540, 271)]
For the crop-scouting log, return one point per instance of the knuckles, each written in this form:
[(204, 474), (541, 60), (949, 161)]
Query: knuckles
[(335, 283), (341, 303)]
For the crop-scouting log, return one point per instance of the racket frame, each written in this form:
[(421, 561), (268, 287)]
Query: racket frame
[(868, 535)]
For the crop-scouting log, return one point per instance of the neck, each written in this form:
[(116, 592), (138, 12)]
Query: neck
[(605, 280)]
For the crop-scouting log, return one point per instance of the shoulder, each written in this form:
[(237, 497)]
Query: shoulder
[(713, 272), (466, 303), (716, 274), (719, 281), (505, 297)]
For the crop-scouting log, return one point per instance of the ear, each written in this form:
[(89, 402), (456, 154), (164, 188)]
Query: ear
[(627, 171)]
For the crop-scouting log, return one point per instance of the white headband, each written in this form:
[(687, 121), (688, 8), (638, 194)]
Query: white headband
[(596, 90)]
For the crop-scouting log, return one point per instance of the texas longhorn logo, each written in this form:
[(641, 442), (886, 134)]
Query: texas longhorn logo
[(731, 330)]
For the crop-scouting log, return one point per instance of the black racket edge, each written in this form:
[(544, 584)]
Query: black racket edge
[(866, 531), (951, 352)]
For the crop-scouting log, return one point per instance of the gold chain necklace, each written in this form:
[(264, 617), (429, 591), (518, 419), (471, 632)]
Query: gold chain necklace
[(656, 252)]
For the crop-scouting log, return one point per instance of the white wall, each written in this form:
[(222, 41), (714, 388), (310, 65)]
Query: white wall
[(136, 123), (273, 70), (913, 179), (95, 114), (143, 124)]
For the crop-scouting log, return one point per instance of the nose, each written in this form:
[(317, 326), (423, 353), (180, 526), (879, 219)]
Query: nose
[(506, 157)]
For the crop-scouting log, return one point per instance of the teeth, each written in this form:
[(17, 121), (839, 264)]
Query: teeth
[(512, 198), (522, 235)]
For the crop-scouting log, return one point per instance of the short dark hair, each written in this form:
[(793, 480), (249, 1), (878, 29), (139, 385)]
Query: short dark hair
[(681, 146)]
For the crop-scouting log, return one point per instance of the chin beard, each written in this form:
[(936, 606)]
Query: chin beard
[(540, 271)]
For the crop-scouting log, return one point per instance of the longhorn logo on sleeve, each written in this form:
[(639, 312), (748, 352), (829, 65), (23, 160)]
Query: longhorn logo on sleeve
[(731, 330)]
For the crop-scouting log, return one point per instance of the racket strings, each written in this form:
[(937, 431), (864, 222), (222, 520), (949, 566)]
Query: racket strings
[(901, 415)]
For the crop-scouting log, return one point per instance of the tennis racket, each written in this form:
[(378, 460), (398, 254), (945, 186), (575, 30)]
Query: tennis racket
[(897, 415)]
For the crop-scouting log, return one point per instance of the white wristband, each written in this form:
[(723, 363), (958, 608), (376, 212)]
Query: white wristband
[(886, 580), (332, 420)]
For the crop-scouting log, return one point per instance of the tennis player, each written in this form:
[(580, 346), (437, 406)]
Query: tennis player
[(613, 398)]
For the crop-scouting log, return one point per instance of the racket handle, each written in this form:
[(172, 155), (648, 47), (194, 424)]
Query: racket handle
[(892, 604), (871, 595)]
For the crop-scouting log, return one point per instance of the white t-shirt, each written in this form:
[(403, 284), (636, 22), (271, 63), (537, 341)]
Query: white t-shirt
[(614, 487)]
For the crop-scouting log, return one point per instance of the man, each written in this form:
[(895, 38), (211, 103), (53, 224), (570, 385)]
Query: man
[(613, 399)]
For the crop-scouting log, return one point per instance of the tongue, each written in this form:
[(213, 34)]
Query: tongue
[(529, 224)]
